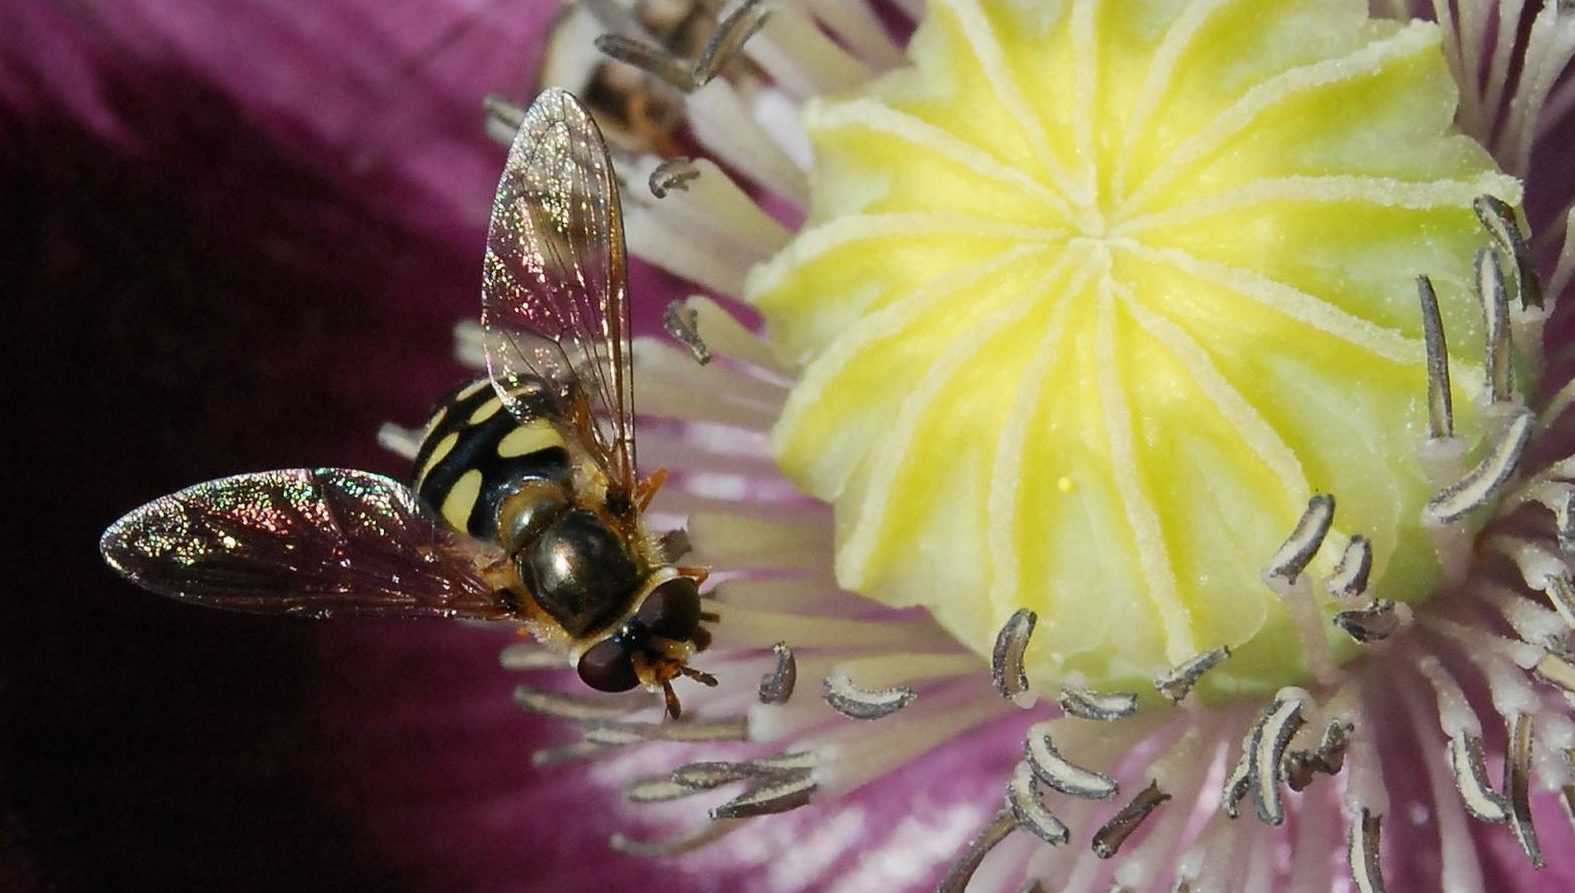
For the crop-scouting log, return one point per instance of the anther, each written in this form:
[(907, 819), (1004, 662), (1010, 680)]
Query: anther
[(854, 702), (1085, 704), (1517, 786), (1112, 834), (962, 871), (681, 322), (1495, 314), (656, 790), (1280, 721), (1007, 670), (705, 776), (674, 173), (777, 793), (1483, 483), (1301, 766), (1498, 219), (1364, 850), (1374, 623), (1468, 765), (729, 38), (1557, 671), (1440, 402), (1023, 799), (1303, 543), (1059, 773), (1349, 579), (776, 687), (1177, 682)]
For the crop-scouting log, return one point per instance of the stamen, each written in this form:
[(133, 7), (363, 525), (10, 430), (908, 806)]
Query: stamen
[(705, 776), (402, 442), (585, 708), (780, 792), (1349, 579), (1483, 483), (527, 656), (1303, 543), (1177, 682), (1006, 661), (1328, 759), (1467, 762), (1517, 782), (615, 733), (1553, 669), (675, 846), (1557, 497), (1281, 720), (1057, 772), (1494, 296), (1086, 704), (1499, 220), (776, 687), (566, 753), (680, 321), (956, 880), (1023, 799), (674, 173), (1112, 834), (503, 119), (1374, 623), (651, 59), (854, 702), (675, 544), (730, 37), (1364, 853), (1440, 403), (1541, 570), (656, 790)]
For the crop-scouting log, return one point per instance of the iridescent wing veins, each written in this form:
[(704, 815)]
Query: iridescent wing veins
[(554, 296), (303, 541)]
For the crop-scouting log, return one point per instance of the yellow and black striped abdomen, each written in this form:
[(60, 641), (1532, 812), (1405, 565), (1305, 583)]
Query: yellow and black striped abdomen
[(475, 452)]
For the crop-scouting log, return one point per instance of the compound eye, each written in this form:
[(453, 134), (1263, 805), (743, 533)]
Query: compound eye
[(607, 666), (672, 610)]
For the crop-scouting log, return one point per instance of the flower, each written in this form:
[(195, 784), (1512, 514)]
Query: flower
[(410, 772), (1317, 515)]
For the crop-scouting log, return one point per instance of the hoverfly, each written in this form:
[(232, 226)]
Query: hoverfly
[(524, 505)]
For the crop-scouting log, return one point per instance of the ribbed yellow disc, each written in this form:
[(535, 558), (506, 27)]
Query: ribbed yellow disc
[(1094, 297)]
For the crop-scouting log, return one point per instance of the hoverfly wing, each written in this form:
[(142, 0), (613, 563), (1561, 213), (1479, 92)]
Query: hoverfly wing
[(303, 541), (554, 298)]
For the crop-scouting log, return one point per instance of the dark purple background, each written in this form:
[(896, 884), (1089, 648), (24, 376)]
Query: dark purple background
[(239, 240)]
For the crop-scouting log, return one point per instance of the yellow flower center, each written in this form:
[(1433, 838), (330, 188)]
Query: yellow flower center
[(1095, 295)]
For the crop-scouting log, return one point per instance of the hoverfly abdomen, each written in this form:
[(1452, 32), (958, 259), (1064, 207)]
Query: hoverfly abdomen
[(474, 456)]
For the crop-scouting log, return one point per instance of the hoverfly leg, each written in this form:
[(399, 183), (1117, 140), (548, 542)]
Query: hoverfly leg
[(699, 676), (646, 489), (701, 637), (697, 574), (673, 708)]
